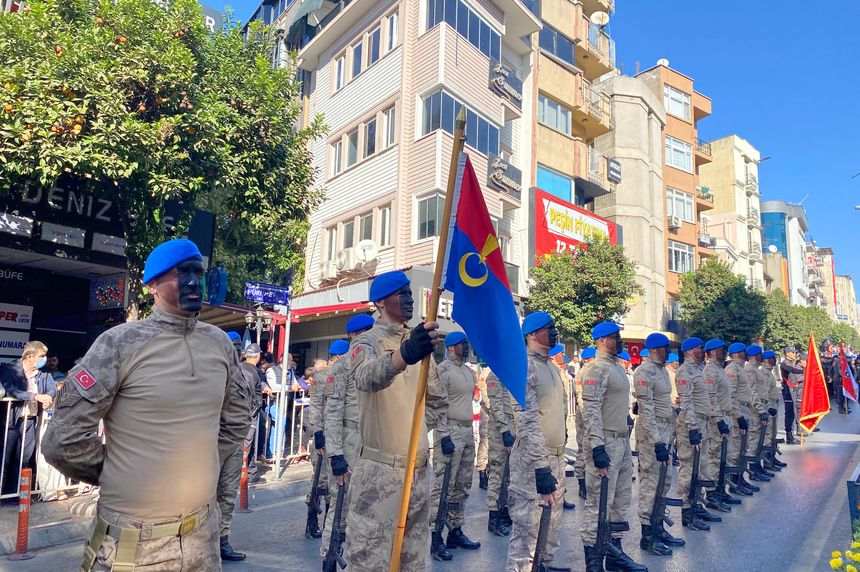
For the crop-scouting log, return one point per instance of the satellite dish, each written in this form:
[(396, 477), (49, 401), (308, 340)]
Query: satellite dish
[(599, 18), (772, 249), (663, 62), (366, 250)]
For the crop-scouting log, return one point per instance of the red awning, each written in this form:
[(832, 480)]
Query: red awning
[(330, 309)]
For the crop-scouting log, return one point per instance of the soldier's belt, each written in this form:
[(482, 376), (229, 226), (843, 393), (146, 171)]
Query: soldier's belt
[(395, 461), (745, 403), (347, 424), (556, 451), (616, 434), (461, 423), (701, 416)]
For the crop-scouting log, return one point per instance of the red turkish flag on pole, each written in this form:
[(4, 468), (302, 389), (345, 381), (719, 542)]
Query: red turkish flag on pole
[(849, 385), (815, 403)]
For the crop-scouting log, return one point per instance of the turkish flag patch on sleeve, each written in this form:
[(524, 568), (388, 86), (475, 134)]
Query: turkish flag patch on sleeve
[(356, 351), (85, 379), (642, 382)]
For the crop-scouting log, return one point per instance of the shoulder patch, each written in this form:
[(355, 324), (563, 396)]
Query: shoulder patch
[(709, 380), (84, 379), (590, 382), (642, 382), (491, 384), (330, 379), (355, 352), (682, 382)]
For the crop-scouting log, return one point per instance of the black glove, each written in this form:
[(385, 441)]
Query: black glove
[(508, 439), (742, 423), (662, 452), (763, 417), (695, 437), (447, 446), (772, 411), (338, 465), (319, 440), (544, 481), (417, 346), (600, 458), (723, 427), (636, 407), (629, 421)]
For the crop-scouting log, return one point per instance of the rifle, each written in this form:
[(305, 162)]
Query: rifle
[(760, 446), (604, 532), (543, 535), (724, 469), (658, 509), (314, 502), (442, 511), (333, 557), (696, 483), (769, 452), (502, 501)]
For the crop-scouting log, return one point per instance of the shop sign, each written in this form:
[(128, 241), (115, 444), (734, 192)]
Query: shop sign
[(506, 83), (446, 305), (613, 172), (16, 225), (212, 19), (561, 227), (15, 316), (12, 342), (107, 292), (504, 176), (267, 293), (109, 244), (66, 235)]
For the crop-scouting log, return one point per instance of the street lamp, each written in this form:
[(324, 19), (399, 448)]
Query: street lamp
[(259, 321)]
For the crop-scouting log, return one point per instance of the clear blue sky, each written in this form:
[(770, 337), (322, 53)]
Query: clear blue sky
[(778, 78)]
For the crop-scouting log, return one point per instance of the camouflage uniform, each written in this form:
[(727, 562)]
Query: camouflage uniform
[(482, 457), (579, 465), (174, 404), (758, 390), (741, 397), (386, 398), (500, 419), (605, 401), (315, 421), (715, 376), (654, 424), (695, 414), (540, 443), (341, 433)]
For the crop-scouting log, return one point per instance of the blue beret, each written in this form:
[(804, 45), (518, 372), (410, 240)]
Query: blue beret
[(566, 359), (644, 353), (589, 353), (359, 323), (338, 347), (753, 350), (736, 347), (234, 337), (672, 358), (714, 344), (535, 321), (556, 350), (604, 329), (624, 355), (656, 340), (454, 338), (387, 284), (769, 354), (167, 255), (691, 343)]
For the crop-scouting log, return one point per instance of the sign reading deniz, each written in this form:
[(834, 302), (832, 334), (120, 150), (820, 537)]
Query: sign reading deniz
[(504, 81), (561, 226)]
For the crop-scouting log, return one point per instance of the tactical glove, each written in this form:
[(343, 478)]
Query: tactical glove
[(763, 417), (772, 411), (629, 421), (742, 423), (662, 452), (417, 346), (338, 465), (723, 427), (447, 446), (319, 440), (508, 439), (544, 481), (636, 407), (695, 437), (600, 458)]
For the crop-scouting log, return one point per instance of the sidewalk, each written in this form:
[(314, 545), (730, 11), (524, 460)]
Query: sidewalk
[(59, 522)]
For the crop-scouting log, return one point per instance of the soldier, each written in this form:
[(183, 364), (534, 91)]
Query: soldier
[(579, 466), (537, 459), (482, 458), (757, 395), (457, 386), (773, 397), (655, 426), (692, 431), (792, 391), (741, 400), (721, 423), (605, 403), (385, 365), (558, 357), (174, 403), (342, 438), (500, 430)]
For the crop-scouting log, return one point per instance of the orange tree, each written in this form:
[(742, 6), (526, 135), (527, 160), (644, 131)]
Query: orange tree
[(146, 105)]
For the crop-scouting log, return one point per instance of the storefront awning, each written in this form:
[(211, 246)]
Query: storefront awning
[(231, 316), (321, 312)]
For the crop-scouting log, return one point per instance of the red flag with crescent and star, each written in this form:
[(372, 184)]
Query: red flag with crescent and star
[(815, 403)]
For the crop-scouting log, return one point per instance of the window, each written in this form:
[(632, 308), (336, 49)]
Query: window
[(440, 110), (430, 216), (556, 43), (676, 102), (555, 115), (348, 234), (681, 257), (467, 23), (370, 138), (385, 226), (337, 158), (554, 183), (675, 309), (357, 51), (332, 243), (679, 204), (352, 148), (392, 32), (389, 131), (340, 72), (365, 227), (679, 154), (374, 40)]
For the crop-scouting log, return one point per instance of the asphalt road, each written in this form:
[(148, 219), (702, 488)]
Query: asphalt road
[(791, 525)]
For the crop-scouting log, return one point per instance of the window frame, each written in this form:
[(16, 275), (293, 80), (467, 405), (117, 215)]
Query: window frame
[(471, 29), (337, 157), (546, 102), (378, 32), (683, 99), (356, 47), (351, 225), (392, 23), (440, 204), (672, 196), (688, 251), (671, 145), (384, 226), (389, 131), (571, 197), (340, 72), (475, 122), (369, 138)]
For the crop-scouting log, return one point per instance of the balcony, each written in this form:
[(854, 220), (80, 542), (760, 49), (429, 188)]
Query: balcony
[(703, 152), (705, 240), (595, 53), (597, 173), (753, 218), (757, 284), (593, 114), (751, 186), (705, 194), (755, 251), (592, 6)]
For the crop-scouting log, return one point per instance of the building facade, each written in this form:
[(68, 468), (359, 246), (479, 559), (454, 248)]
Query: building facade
[(826, 265), (785, 228), (735, 221), (846, 300)]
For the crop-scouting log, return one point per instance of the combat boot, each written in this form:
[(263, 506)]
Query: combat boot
[(227, 552), (729, 499), (458, 539), (703, 514), (690, 520), (506, 518), (764, 471), (312, 528), (593, 561), (751, 487), (437, 548), (668, 539), (757, 475), (714, 500), (653, 546), (568, 505), (582, 492), (483, 479), (493, 523), (622, 562)]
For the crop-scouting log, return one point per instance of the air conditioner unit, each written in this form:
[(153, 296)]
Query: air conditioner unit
[(674, 222), (346, 260), (328, 270)]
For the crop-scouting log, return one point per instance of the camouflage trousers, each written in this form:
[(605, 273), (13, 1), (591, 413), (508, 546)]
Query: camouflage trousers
[(755, 430), (710, 468), (351, 447), (231, 475), (685, 454), (495, 467), (525, 511), (649, 466), (374, 502), (462, 468), (197, 551), (483, 444), (579, 465), (735, 445), (619, 491)]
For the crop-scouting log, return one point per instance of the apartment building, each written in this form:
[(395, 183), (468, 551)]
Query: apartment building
[(734, 223), (784, 231), (826, 264), (688, 242), (846, 300)]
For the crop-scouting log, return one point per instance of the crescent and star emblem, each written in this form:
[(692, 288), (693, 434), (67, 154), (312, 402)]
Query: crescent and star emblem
[(491, 244)]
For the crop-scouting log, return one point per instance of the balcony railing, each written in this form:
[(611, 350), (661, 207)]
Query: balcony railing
[(753, 216), (755, 250), (705, 194), (703, 147), (599, 104), (705, 240), (757, 284), (601, 42), (752, 181)]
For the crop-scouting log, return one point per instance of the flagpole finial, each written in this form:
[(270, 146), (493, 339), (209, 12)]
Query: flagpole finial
[(460, 120)]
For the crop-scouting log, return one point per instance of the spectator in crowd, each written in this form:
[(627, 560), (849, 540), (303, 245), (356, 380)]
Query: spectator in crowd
[(52, 365)]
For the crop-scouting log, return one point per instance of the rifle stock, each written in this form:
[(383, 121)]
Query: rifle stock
[(314, 501), (543, 535), (333, 557), (502, 501), (442, 511), (604, 533)]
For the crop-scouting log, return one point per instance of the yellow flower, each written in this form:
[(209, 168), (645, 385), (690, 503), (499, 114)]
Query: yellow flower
[(836, 554), (851, 568), (855, 545), (849, 555), (855, 556), (836, 563)]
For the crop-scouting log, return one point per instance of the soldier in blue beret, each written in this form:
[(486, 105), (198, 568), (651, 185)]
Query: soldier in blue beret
[(768, 368), (742, 396), (588, 354)]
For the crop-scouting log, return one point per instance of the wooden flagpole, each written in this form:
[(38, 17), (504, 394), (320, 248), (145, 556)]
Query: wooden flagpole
[(432, 311)]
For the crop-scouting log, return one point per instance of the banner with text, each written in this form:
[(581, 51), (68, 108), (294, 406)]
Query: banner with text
[(561, 226)]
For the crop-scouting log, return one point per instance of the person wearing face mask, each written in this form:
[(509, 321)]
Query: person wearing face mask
[(588, 354), (605, 401), (537, 460), (385, 366), (174, 404), (35, 389)]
